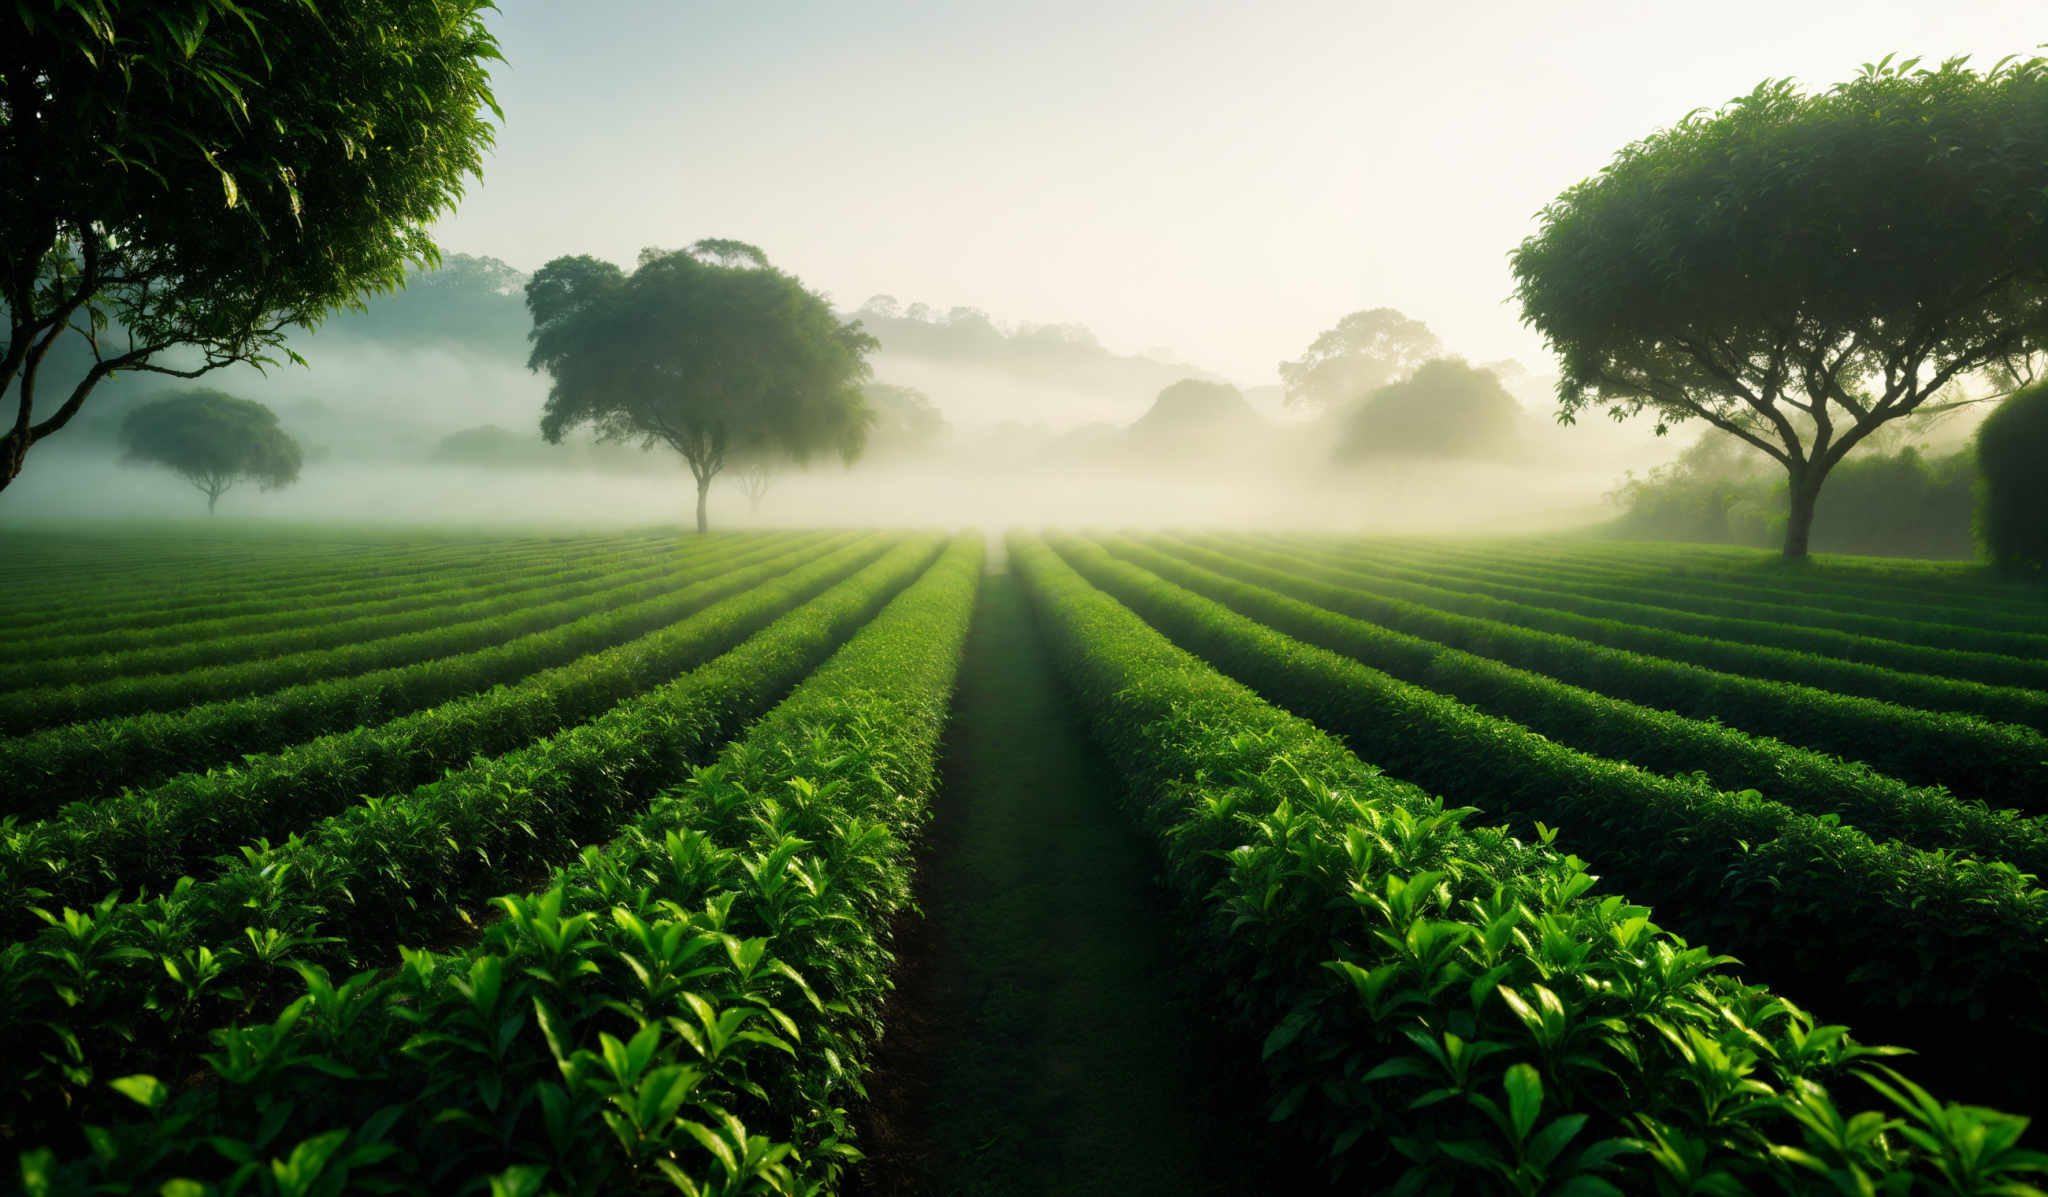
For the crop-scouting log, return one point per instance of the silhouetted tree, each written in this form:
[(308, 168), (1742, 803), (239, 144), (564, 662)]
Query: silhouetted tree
[(906, 422), (2012, 456), (1796, 269), (1195, 418), (710, 351), (754, 478), (212, 440), (1445, 409), (1365, 351), (470, 303), (194, 175)]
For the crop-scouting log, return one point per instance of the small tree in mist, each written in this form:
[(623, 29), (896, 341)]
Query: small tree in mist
[(710, 351), (2012, 506), (204, 175), (907, 423), (754, 478), (1445, 409), (1365, 351), (1796, 270), (213, 441)]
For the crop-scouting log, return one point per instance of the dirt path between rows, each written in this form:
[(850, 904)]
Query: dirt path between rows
[(1039, 1040)]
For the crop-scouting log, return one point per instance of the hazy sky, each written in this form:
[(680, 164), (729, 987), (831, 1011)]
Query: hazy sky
[(1218, 180)]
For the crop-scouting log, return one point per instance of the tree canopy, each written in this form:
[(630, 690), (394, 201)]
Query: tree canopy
[(466, 303), (199, 177), (1797, 269), (1365, 351), (1445, 409), (212, 440), (906, 422), (2012, 513), (710, 351)]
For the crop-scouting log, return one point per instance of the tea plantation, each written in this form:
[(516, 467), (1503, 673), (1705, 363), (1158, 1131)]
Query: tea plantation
[(807, 862)]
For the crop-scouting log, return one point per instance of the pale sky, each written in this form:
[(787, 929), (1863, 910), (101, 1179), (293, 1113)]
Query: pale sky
[(1221, 181)]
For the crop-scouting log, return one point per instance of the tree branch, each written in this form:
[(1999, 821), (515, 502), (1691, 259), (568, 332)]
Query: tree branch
[(1677, 397), (1790, 454)]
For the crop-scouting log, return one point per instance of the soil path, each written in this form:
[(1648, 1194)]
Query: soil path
[(1037, 1041)]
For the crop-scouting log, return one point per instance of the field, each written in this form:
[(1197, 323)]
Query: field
[(899, 862)]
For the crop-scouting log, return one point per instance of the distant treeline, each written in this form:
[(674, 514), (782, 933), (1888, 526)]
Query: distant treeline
[(1907, 503), (1066, 354)]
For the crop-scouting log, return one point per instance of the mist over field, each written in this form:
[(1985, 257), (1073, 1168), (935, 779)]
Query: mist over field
[(1091, 598), (420, 410)]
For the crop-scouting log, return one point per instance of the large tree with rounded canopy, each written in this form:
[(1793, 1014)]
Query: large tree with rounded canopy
[(213, 441), (1797, 269), (201, 175), (1359, 354), (710, 351), (1446, 409)]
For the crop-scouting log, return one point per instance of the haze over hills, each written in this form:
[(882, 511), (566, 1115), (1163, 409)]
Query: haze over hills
[(420, 405)]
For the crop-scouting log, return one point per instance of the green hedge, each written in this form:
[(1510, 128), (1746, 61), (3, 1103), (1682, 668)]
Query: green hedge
[(133, 986), (146, 839), (1789, 618), (2001, 764), (1940, 953), (84, 761), (159, 592), (109, 653), (1660, 741), (686, 1007), (1446, 1001), (1442, 999), (1999, 703), (455, 631)]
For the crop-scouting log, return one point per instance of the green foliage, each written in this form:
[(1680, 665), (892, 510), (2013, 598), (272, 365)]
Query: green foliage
[(1906, 504), (1993, 762), (1364, 351), (709, 351), (145, 837), (212, 440), (1442, 1000), (1843, 922), (384, 725), (466, 303), (203, 175), (1194, 418), (1661, 741), (1756, 268), (58, 690), (1445, 409), (1966, 630), (688, 1004), (257, 582), (1941, 662), (2012, 446), (906, 422), (389, 871)]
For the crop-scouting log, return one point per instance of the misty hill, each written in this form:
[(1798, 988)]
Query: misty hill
[(471, 304), (984, 373), (1446, 409), (1197, 419)]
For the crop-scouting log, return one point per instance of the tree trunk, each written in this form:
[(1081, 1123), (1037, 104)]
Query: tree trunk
[(1805, 496), (212, 501), (703, 489), (13, 449)]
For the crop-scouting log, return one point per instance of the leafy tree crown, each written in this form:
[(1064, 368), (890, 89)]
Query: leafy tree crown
[(1845, 253), (213, 440), (205, 174)]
